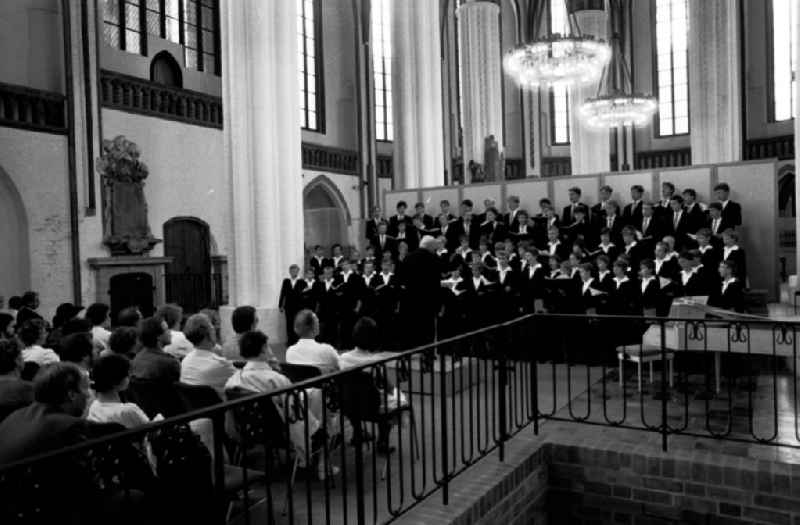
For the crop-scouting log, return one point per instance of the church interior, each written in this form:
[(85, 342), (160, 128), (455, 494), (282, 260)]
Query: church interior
[(413, 261)]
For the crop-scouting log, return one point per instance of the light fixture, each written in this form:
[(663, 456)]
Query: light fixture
[(619, 106), (557, 59)]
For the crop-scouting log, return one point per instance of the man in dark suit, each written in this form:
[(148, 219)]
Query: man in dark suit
[(613, 222), (373, 223), (469, 227), (663, 206), (510, 218), (421, 302), (651, 227), (730, 295), (694, 277), (521, 229), (289, 300), (326, 291), (419, 213), (598, 211), (151, 362), (632, 213), (30, 305), (400, 217), (679, 222), (574, 201), (731, 211), (444, 209), (408, 235), (384, 242), (710, 255), (717, 223), (697, 217), (492, 229), (663, 266)]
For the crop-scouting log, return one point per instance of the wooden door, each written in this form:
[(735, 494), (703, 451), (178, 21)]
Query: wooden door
[(187, 241)]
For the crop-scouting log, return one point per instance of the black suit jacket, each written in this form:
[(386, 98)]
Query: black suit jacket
[(395, 220), (289, 297), (697, 217), (651, 296), (632, 214), (739, 258), (711, 257), (372, 230), (732, 214), (496, 232), (724, 224), (473, 232), (669, 269), (702, 282), (566, 214), (730, 299), (616, 229), (681, 231), (411, 239), (390, 244)]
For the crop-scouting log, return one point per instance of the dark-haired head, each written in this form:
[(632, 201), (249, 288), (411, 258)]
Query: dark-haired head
[(10, 357), (32, 332), (129, 316), (253, 344), (77, 348), (111, 373), (97, 314), (243, 319), (151, 331), (123, 340), (7, 326), (62, 387), (366, 335)]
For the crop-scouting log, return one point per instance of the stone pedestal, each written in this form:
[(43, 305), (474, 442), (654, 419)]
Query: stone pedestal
[(481, 78), (106, 268)]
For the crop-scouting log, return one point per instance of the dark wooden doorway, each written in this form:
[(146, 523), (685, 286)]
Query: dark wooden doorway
[(188, 241), (131, 289)]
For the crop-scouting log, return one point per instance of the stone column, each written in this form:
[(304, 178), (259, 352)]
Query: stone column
[(480, 61), (796, 23), (590, 149), (262, 152), (417, 94), (715, 75)]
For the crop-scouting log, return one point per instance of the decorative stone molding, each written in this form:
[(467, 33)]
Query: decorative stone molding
[(781, 147), (556, 166), (136, 95), (32, 109), (384, 164), (663, 159), (324, 158)]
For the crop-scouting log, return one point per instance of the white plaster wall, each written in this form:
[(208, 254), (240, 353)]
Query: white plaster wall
[(36, 163), (187, 176), (31, 44)]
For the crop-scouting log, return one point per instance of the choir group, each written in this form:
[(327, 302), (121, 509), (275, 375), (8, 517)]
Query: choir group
[(599, 259)]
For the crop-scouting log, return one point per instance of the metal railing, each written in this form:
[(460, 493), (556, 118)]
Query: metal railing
[(369, 443)]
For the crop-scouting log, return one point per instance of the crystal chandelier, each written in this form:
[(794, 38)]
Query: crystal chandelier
[(557, 59), (619, 106)]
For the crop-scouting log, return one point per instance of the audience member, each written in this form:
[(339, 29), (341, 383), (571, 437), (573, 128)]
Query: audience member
[(367, 340), (110, 376), (178, 345), (28, 307), (14, 392), (32, 335), (202, 365), (8, 326), (78, 349), (129, 316), (151, 362), (307, 351), (123, 341), (98, 315)]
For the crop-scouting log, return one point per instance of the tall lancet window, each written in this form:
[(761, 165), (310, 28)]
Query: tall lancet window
[(559, 95), (310, 62), (382, 68), (672, 73), (784, 59)]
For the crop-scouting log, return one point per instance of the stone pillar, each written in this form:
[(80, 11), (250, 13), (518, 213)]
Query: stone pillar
[(262, 152), (715, 75), (480, 61), (796, 23), (417, 94), (590, 149)]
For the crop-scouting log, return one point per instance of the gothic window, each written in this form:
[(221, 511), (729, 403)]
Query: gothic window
[(382, 68), (309, 39)]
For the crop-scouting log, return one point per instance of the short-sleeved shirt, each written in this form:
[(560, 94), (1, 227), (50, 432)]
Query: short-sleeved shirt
[(128, 415), (310, 352)]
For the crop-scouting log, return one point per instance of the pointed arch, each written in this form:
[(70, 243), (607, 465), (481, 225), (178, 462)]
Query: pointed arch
[(322, 182), (15, 255)]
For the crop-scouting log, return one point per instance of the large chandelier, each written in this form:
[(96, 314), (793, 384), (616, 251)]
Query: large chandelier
[(619, 106), (558, 59)]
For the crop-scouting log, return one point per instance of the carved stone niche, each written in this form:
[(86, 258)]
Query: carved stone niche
[(126, 230), (130, 281)]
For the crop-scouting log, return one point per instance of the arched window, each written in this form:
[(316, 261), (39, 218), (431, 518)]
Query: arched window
[(559, 95), (382, 68), (672, 71), (309, 47), (786, 204), (164, 69), (784, 59)]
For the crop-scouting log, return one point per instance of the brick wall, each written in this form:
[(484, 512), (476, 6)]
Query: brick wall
[(582, 485)]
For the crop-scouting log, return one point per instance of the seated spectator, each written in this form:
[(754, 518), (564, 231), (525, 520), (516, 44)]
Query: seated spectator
[(8, 326), (65, 313), (110, 376), (307, 351), (129, 316), (32, 336), (78, 349), (98, 315), (178, 345), (151, 362), (366, 339), (244, 319), (27, 310), (14, 305), (203, 366), (122, 341), (216, 322), (53, 421), (14, 392)]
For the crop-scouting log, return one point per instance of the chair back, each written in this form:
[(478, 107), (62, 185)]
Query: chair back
[(156, 397), (299, 373), (29, 370), (360, 397), (260, 422), (197, 397)]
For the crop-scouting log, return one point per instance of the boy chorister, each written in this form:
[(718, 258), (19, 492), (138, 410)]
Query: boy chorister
[(289, 300)]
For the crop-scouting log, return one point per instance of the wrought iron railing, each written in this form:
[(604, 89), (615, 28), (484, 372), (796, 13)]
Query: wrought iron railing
[(462, 399)]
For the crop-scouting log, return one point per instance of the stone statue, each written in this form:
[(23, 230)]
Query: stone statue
[(492, 160), (476, 172), (126, 230)]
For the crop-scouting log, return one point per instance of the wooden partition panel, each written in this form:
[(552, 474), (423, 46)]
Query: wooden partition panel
[(392, 198), (621, 184), (432, 197), (529, 191), (478, 192), (588, 185), (699, 179)]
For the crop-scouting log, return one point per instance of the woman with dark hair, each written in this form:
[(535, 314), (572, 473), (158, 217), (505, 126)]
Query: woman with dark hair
[(367, 341), (110, 376)]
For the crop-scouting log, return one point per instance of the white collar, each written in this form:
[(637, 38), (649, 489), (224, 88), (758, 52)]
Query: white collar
[(370, 276), (729, 249), (384, 275), (346, 275), (602, 275), (620, 280), (310, 281), (704, 249), (504, 270), (554, 243), (646, 280), (587, 283), (725, 203), (631, 245), (441, 251), (726, 282)]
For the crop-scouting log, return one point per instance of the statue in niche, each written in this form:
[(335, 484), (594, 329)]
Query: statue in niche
[(125, 226), (476, 173), (492, 160)]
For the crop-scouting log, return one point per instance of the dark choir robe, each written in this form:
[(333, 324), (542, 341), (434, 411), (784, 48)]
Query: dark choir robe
[(386, 291), (350, 293), (477, 298), (509, 293), (697, 217), (307, 298), (567, 216), (450, 233), (427, 221), (369, 302), (578, 231), (317, 263), (667, 268), (397, 219), (609, 250), (444, 260), (614, 223), (651, 295), (730, 296), (410, 237), (592, 295), (494, 232), (696, 282), (531, 285), (472, 230), (289, 302), (605, 281), (372, 230), (679, 226), (737, 256), (625, 297), (632, 213), (732, 213), (521, 232), (541, 224), (451, 322), (383, 244), (635, 253), (363, 261), (327, 296), (710, 256), (488, 260), (652, 231), (557, 248), (461, 259)]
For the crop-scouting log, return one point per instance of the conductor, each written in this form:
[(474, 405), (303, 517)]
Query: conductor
[(420, 306)]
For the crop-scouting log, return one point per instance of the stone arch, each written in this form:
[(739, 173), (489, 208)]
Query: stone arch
[(164, 69), (326, 214), (15, 254)]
